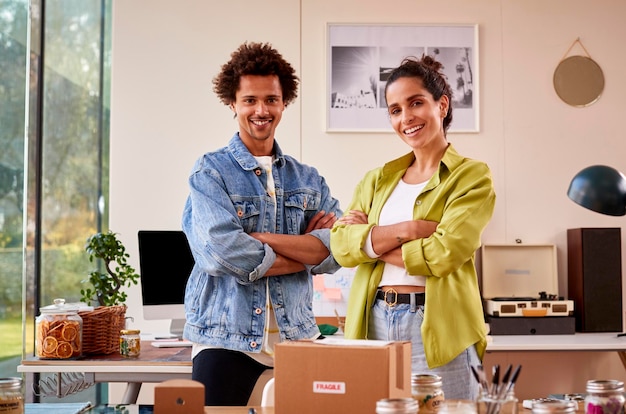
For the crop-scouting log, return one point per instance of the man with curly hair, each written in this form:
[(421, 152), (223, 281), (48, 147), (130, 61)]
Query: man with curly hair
[(258, 223)]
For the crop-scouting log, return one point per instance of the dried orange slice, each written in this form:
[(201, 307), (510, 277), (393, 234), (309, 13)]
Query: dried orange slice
[(75, 349), (69, 332), (64, 350), (55, 331), (42, 329), (49, 344)]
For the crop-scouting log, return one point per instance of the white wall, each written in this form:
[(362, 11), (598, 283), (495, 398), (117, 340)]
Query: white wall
[(165, 115)]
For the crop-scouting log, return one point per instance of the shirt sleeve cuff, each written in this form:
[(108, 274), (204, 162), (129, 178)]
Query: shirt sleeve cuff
[(268, 261), (368, 248)]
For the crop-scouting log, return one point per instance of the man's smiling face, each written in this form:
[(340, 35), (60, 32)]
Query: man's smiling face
[(258, 107)]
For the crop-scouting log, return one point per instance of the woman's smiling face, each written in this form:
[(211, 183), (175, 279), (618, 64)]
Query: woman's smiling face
[(415, 116)]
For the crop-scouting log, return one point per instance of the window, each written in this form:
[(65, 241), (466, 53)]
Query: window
[(54, 123)]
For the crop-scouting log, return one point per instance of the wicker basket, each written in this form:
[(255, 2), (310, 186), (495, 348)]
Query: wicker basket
[(101, 329)]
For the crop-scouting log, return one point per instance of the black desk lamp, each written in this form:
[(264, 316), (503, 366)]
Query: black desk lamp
[(601, 189)]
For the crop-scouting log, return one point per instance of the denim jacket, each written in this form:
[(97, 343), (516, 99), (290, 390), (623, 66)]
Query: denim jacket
[(226, 292)]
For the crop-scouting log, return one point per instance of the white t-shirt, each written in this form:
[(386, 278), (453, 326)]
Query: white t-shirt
[(271, 336), (398, 208)]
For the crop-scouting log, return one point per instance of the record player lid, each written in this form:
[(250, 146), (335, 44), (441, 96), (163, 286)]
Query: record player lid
[(518, 270)]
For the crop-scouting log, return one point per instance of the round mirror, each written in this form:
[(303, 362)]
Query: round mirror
[(578, 80)]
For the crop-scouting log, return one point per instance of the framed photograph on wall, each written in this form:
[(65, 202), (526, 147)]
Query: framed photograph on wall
[(360, 57)]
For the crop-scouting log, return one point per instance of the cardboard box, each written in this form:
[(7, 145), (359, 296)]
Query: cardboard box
[(512, 279), (179, 396), (339, 375)]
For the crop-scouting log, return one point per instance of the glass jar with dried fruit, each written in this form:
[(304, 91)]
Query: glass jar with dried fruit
[(59, 331)]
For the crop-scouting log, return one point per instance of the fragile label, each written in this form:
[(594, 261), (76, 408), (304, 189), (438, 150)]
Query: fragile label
[(328, 387)]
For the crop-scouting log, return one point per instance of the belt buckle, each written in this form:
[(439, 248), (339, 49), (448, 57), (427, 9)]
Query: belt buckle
[(395, 298)]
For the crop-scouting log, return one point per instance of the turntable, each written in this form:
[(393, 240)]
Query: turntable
[(543, 305), (519, 289)]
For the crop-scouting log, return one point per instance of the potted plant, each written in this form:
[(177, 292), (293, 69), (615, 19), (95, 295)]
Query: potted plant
[(107, 287), (102, 325)]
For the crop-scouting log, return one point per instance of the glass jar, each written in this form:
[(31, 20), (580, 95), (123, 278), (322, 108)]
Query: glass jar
[(604, 397), (397, 406), (130, 343), (11, 396), (553, 406), (59, 332), (426, 390), (498, 404)]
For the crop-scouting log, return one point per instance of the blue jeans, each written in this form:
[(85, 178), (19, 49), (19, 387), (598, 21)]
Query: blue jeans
[(403, 322)]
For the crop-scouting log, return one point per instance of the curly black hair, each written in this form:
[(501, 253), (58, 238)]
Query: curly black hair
[(430, 72), (255, 59)]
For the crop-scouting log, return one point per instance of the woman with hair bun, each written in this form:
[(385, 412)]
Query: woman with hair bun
[(412, 230)]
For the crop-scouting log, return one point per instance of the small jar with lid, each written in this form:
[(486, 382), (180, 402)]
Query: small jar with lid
[(11, 396), (426, 390), (130, 343), (554, 406), (59, 332), (605, 397), (397, 406)]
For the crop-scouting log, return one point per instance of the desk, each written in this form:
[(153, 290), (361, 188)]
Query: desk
[(608, 341), (207, 410), (152, 365), (265, 410), (160, 364), (578, 342)]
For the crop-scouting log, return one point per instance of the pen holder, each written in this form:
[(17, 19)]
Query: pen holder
[(493, 404)]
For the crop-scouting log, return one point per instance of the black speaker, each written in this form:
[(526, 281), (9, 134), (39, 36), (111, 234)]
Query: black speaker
[(594, 268)]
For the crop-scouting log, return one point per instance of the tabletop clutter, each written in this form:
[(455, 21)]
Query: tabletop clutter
[(321, 375), (341, 376), (496, 395)]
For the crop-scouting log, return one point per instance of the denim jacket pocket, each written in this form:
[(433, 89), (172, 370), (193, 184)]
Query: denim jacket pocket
[(300, 207), (248, 213)]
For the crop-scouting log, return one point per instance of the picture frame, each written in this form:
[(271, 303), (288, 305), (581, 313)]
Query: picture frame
[(359, 56)]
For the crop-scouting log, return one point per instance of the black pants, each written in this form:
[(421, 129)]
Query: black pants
[(228, 376)]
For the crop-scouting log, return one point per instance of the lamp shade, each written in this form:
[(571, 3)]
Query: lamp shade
[(601, 189)]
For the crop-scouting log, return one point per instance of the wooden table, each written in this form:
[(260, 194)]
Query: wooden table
[(237, 410), (152, 365), (603, 341), (160, 364)]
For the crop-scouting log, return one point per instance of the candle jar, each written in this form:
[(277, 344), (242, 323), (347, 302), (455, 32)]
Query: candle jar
[(604, 397), (397, 406), (553, 406), (130, 343), (426, 390), (11, 396)]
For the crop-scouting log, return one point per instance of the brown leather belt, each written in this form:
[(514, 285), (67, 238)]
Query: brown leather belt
[(391, 297)]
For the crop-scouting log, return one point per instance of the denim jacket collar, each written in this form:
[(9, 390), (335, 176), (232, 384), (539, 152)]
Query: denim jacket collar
[(246, 159)]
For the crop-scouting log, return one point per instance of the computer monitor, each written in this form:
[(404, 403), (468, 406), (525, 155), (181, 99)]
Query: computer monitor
[(165, 262)]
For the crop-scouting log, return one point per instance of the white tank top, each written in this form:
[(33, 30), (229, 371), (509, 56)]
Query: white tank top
[(399, 207)]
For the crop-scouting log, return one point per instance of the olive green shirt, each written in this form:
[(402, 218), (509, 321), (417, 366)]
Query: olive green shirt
[(461, 198)]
